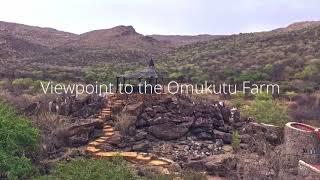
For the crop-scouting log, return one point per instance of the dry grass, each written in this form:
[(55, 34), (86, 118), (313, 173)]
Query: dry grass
[(306, 107), (47, 121), (123, 121)]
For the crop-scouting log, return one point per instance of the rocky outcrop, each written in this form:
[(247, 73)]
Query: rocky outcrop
[(78, 133), (219, 165), (176, 127), (83, 107), (176, 117)]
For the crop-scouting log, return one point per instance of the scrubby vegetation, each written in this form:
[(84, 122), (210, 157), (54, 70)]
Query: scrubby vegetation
[(19, 141), (266, 110), (185, 175), (288, 58), (235, 141), (123, 122), (306, 107), (87, 169)]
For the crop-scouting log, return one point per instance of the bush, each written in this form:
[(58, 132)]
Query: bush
[(22, 83), (28, 84), (87, 169), (238, 99), (253, 76), (306, 107), (123, 122), (102, 74), (266, 110), (185, 175), (290, 95), (18, 140), (235, 141)]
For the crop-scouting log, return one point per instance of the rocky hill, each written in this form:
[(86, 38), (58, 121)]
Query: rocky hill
[(299, 26), (43, 36), (178, 40), (288, 54)]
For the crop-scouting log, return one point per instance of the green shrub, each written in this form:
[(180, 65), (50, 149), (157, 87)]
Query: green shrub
[(28, 84), (266, 110), (311, 70), (185, 175), (22, 82), (252, 76), (290, 95), (235, 141), (101, 74), (18, 140), (87, 169)]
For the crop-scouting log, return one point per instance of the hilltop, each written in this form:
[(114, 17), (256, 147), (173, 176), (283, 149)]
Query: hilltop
[(284, 54)]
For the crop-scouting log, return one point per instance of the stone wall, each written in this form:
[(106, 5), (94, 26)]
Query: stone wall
[(307, 171), (301, 143)]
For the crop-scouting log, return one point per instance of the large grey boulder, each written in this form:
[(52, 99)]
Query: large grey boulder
[(168, 131)]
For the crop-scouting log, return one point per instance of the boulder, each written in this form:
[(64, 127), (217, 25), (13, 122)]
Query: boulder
[(140, 135), (168, 131), (220, 165), (78, 133), (134, 109), (141, 146), (226, 137), (140, 122), (205, 136), (115, 139)]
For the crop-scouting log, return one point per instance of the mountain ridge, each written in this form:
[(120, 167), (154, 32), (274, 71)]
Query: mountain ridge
[(203, 56)]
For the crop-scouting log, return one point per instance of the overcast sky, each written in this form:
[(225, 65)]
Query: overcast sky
[(161, 16)]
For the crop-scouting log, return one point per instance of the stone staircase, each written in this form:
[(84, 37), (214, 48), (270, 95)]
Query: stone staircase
[(108, 131)]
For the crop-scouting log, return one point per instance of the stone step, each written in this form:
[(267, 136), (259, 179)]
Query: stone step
[(100, 140), (106, 110), (105, 138), (106, 113), (108, 130), (109, 112), (94, 143), (92, 149), (158, 163), (130, 155), (108, 134), (106, 125), (144, 157)]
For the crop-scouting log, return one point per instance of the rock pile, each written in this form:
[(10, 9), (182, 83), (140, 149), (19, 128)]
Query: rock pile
[(178, 128), (178, 117), (77, 107), (68, 105)]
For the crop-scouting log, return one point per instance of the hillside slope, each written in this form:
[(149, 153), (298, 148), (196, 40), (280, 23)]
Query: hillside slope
[(287, 55), (38, 35)]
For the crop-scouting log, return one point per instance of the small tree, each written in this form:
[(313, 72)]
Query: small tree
[(266, 110), (18, 140), (291, 95), (235, 141)]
